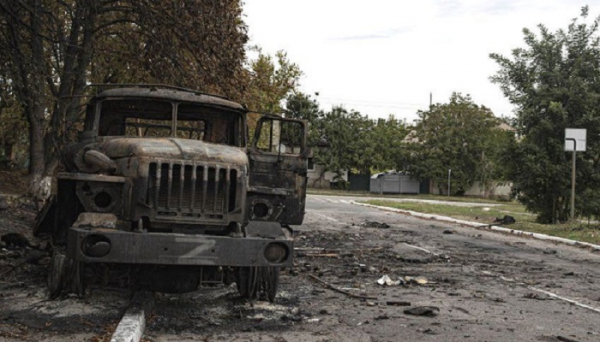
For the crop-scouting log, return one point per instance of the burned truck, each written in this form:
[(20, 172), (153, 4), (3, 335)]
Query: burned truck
[(162, 182)]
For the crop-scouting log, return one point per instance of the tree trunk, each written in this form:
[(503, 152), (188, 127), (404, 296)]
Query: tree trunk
[(36, 155)]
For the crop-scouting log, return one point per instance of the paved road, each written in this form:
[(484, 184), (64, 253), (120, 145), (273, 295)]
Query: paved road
[(487, 287)]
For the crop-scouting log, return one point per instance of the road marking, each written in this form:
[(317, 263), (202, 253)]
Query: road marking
[(330, 200), (324, 216), (347, 202), (568, 300), (132, 325), (548, 293)]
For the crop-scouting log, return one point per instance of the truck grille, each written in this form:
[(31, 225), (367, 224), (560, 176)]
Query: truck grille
[(191, 189)]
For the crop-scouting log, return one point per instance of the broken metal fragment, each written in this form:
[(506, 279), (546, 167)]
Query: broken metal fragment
[(426, 311)]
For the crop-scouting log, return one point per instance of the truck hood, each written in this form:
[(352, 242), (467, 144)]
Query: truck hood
[(173, 148)]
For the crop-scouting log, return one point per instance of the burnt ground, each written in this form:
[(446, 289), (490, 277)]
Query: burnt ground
[(482, 286)]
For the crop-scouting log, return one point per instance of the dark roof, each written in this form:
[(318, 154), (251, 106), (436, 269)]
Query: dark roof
[(170, 94)]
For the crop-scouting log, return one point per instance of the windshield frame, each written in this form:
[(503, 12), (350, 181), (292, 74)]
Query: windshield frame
[(238, 117)]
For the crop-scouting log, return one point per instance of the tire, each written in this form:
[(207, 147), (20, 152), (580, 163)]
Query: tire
[(65, 275), (257, 282), (56, 273)]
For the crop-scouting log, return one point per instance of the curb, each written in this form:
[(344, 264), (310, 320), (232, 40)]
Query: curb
[(132, 325), (478, 225)]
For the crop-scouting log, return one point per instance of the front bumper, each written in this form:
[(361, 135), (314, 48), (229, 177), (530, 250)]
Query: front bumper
[(177, 249)]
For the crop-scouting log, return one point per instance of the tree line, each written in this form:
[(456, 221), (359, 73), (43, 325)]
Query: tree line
[(553, 83)]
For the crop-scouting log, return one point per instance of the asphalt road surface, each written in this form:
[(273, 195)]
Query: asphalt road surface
[(463, 284)]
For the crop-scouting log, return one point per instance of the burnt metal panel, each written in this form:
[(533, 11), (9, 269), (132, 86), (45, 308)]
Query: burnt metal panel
[(170, 94), (178, 249), (191, 188)]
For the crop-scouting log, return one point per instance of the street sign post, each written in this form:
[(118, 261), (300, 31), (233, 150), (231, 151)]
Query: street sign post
[(575, 140)]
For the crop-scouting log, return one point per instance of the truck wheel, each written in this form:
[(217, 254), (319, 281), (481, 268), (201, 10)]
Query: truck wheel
[(65, 275), (56, 273), (246, 281), (270, 282), (254, 281)]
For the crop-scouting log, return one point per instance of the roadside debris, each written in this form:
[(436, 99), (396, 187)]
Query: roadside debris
[(397, 303), (387, 281), (416, 280), (16, 240), (374, 224), (331, 287), (505, 220), (536, 296), (565, 339), (425, 311)]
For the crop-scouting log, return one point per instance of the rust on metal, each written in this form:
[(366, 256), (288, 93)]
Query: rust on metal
[(165, 176)]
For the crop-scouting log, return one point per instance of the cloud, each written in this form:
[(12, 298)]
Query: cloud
[(499, 7), (450, 7), (390, 33)]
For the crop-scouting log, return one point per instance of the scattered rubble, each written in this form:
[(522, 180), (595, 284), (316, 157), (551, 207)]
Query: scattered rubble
[(397, 303), (374, 224), (386, 280), (426, 311)]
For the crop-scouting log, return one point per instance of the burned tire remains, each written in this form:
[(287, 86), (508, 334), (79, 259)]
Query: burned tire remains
[(257, 282), (65, 275)]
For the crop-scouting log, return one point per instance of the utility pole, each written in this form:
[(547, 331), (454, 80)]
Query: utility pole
[(449, 173), (430, 99)]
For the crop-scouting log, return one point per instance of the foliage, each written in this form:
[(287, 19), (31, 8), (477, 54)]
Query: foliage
[(343, 139), (388, 152), (459, 135), (13, 126), (554, 83), (50, 50), (346, 140), (301, 106), (272, 80)]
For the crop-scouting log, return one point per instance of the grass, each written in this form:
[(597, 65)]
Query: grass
[(525, 221), (330, 192)]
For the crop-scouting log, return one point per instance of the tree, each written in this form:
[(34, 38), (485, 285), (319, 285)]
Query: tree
[(301, 106), (554, 83), (388, 152), (50, 50), (340, 141), (271, 82), (455, 136), (13, 126)]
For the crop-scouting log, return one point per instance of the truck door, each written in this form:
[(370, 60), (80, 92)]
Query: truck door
[(278, 165)]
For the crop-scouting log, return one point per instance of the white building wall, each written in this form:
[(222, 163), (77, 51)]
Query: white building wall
[(313, 177)]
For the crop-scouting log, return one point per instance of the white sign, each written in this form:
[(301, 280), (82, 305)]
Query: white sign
[(579, 135)]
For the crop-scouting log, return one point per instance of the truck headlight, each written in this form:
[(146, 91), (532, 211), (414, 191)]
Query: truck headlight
[(100, 197)]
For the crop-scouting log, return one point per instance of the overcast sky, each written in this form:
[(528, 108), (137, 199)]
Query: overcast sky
[(384, 57)]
